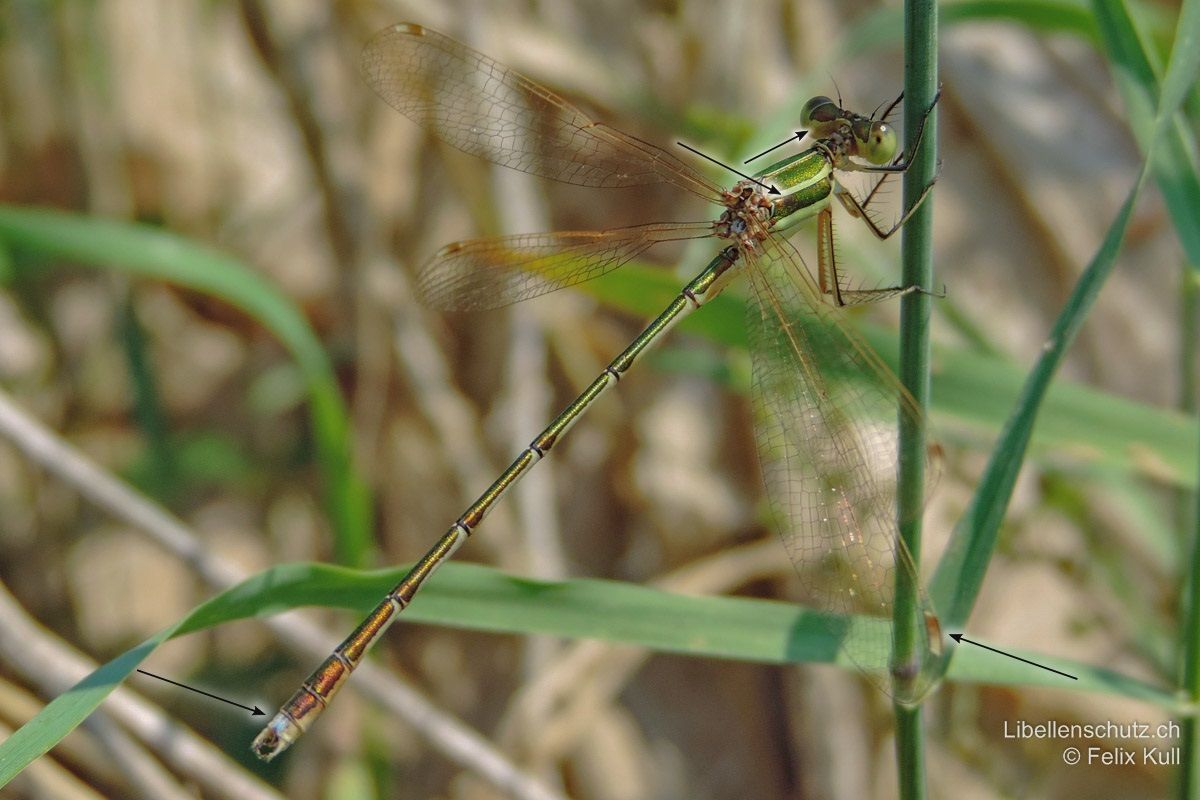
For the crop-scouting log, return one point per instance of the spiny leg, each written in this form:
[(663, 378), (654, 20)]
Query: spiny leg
[(832, 283), (859, 208), (887, 112), (827, 274)]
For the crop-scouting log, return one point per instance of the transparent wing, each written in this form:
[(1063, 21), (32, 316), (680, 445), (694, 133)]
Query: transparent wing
[(483, 108), (495, 272), (826, 409)]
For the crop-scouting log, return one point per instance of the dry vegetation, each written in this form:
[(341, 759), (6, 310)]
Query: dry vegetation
[(246, 127)]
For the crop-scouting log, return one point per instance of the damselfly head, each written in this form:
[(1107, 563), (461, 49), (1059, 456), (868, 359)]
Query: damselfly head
[(819, 112), (875, 140)]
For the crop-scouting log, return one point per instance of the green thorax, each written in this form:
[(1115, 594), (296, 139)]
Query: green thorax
[(806, 182)]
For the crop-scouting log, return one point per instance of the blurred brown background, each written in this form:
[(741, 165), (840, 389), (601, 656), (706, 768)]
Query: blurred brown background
[(247, 126)]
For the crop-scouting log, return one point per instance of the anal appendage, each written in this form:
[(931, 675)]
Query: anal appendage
[(279, 734)]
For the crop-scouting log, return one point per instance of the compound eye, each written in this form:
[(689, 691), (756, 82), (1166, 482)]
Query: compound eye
[(879, 144), (819, 110)]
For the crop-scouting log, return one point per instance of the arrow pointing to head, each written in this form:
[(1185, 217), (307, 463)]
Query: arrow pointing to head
[(254, 712), (799, 135)]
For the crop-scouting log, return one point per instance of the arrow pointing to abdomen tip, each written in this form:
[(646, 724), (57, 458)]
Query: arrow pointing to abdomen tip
[(254, 712), (958, 637)]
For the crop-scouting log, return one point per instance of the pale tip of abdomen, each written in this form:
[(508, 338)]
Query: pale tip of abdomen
[(279, 734)]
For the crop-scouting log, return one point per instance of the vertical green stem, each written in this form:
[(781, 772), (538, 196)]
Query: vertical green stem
[(920, 89), (1189, 518), (1190, 739)]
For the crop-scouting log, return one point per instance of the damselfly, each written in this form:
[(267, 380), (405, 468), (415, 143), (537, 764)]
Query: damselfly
[(823, 398)]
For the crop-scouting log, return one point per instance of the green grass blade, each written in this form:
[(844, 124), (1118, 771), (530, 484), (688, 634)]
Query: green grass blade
[(1077, 424), (1153, 118), (1088, 425), (1189, 652), (145, 252), (1043, 16), (1182, 68), (959, 575), (882, 28), (478, 598), (1179, 183), (65, 712)]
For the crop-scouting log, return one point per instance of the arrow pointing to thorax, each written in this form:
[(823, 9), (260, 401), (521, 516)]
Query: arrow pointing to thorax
[(770, 189)]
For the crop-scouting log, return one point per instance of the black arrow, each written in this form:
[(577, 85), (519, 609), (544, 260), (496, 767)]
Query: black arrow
[(770, 189), (958, 637), (799, 135), (254, 712)]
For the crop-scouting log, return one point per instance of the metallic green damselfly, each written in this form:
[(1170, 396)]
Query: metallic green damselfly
[(823, 398)]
